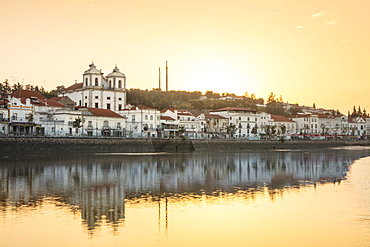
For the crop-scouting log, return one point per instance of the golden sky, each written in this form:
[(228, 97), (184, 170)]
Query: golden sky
[(305, 50)]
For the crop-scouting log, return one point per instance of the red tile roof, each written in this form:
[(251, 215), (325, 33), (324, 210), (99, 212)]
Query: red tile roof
[(208, 116), (167, 118), (43, 102), (21, 93), (278, 118), (168, 109), (234, 109), (186, 113), (74, 87), (101, 112), (56, 98)]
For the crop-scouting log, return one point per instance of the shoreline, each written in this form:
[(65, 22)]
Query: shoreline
[(78, 145)]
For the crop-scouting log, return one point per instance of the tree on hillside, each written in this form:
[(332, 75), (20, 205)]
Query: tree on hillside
[(275, 106)]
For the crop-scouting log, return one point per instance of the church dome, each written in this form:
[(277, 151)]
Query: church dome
[(93, 70), (116, 73)]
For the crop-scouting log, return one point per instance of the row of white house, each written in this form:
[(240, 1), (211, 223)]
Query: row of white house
[(28, 112), (97, 107)]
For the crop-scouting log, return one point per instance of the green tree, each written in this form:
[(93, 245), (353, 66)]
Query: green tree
[(230, 129), (77, 124), (254, 130), (181, 132)]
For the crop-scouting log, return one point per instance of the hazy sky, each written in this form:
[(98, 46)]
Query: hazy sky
[(305, 50)]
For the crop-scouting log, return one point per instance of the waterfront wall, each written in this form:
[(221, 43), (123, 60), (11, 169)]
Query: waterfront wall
[(55, 145)]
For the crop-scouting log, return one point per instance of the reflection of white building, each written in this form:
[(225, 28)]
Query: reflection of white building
[(142, 121), (97, 91)]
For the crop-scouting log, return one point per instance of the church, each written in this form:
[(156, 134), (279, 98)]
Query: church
[(98, 91)]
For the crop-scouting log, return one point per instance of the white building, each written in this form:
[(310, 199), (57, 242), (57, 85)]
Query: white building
[(142, 121), (245, 120), (92, 122), (97, 91), (284, 126), (212, 125), (172, 119)]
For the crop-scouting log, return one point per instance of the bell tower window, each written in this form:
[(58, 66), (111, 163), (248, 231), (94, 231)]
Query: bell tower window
[(119, 84), (86, 81), (96, 82)]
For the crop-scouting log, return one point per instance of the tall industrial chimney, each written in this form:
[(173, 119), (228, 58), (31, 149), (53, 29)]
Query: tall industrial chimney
[(159, 78), (166, 77)]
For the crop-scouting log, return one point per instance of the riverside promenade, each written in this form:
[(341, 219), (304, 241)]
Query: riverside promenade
[(73, 145)]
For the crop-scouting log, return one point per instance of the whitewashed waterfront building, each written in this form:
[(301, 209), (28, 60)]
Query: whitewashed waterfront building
[(245, 120), (142, 121)]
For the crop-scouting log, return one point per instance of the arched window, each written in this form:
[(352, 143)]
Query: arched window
[(119, 84), (96, 82), (110, 84), (86, 81)]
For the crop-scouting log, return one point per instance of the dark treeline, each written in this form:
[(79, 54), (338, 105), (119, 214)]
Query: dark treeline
[(6, 88), (159, 99)]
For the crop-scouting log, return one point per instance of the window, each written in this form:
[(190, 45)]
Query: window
[(96, 105), (86, 81), (133, 118), (119, 107), (108, 106), (80, 103), (85, 104), (120, 84), (108, 98), (118, 125), (96, 81), (151, 126), (240, 118), (151, 117), (146, 117), (105, 124), (119, 98), (96, 97), (85, 97), (110, 83)]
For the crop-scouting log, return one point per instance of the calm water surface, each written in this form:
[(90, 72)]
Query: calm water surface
[(277, 198)]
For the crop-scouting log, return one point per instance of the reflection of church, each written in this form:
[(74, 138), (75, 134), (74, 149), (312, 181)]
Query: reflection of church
[(97, 91)]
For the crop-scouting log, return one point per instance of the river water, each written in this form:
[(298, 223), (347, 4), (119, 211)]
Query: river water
[(272, 198)]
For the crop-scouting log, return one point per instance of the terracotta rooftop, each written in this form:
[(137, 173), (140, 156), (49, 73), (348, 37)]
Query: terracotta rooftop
[(21, 93), (167, 118), (234, 109), (207, 116), (168, 109), (56, 98), (43, 102), (278, 118), (74, 87), (101, 112)]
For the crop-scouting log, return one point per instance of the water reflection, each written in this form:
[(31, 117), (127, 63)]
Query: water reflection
[(99, 186)]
